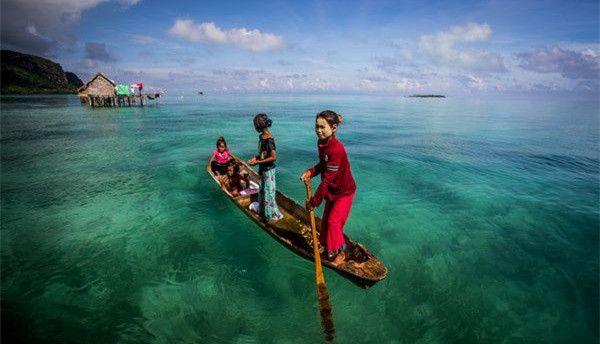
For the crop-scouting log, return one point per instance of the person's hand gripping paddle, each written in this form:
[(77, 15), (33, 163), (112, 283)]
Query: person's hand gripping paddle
[(322, 294)]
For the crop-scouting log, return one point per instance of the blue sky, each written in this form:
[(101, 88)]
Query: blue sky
[(395, 47)]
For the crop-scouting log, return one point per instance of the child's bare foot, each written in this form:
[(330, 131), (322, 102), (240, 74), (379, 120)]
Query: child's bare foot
[(339, 259)]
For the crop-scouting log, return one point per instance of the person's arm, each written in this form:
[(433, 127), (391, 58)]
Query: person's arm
[(212, 164), (317, 169), (329, 171), (272, 155), (271, 158), (311, 172)]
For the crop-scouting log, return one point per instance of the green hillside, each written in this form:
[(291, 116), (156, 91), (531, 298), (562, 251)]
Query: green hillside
[(29, 74)]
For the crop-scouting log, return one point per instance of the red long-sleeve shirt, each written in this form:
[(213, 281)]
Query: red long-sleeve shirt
[(336, 177)]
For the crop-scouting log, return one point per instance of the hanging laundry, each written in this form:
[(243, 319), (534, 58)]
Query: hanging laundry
[(123, 90), (137, 85)]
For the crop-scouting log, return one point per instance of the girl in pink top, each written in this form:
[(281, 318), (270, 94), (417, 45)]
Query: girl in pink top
[(220, 158)]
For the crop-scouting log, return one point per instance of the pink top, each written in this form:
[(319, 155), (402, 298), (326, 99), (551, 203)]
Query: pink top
[(222, 158)]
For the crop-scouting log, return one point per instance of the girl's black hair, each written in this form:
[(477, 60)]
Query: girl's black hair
[(220, 140), (331, 117), (236, 166), (262, 122)]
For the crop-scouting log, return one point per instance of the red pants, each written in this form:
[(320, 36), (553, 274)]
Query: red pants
[(334, 218)]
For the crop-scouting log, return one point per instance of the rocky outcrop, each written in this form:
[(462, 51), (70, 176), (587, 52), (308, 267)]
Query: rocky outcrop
[(73, 80), (23, 73)]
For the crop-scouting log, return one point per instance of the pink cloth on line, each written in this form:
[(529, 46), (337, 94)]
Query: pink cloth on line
[(222, 158)]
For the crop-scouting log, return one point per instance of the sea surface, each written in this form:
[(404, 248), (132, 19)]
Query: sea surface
[(486, 213)]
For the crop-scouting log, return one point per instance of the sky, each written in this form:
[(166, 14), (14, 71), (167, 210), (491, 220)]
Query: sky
[(372, 47)]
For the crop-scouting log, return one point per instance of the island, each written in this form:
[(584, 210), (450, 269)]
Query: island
[(426, 96), (30, 74)]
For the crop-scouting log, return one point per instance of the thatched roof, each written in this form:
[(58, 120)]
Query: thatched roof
[(98, 75)]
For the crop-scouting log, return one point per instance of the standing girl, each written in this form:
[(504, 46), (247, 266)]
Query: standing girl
[(265, 159), (337, 185)]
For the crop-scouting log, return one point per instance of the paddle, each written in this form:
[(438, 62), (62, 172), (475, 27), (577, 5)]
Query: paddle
[(322, 294)]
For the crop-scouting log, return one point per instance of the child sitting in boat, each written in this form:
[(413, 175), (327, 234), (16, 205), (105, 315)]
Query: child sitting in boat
[(220, 158), (234, 180)]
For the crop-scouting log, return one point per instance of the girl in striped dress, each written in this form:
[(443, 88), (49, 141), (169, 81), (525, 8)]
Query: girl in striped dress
[(267, 154)]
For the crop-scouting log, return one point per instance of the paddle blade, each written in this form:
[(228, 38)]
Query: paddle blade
[(325, 310)]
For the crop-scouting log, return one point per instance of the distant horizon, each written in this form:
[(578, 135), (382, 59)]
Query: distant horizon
[(469, 48), (189, 94)]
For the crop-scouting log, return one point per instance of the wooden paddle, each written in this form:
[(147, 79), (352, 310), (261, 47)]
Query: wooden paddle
[(322, 294)]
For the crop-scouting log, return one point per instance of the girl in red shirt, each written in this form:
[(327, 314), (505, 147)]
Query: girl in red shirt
[(337, 185)]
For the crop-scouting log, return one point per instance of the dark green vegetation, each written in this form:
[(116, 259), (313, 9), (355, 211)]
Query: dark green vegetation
[(29, 74)]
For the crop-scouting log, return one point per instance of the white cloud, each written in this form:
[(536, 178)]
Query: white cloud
[(252, 40), (264, 83), (318, 84), (474, 82), (441, 48), (367, 84), (570, 64), (406, 84)]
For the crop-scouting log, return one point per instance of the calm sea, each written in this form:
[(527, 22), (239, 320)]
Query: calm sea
[(485, 212)]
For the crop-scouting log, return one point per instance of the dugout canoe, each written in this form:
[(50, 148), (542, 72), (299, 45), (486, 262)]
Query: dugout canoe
[(293, 231)]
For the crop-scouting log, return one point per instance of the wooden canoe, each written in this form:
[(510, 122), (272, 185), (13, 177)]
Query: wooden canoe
[(293, 231)]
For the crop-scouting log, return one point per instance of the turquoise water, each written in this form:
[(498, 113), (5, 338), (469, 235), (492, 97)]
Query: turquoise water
[(485, 212)]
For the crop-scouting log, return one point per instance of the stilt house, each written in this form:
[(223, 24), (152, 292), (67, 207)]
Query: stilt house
[(99, 91)]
